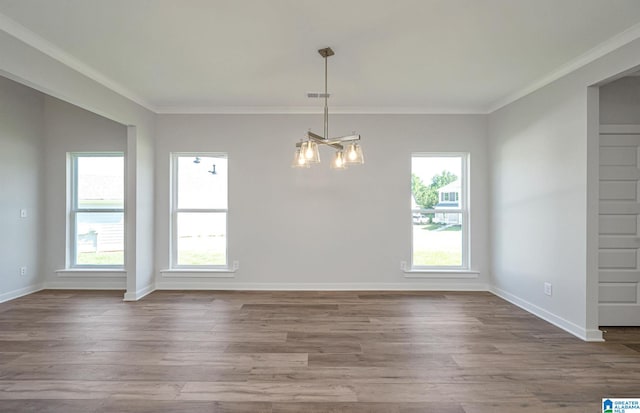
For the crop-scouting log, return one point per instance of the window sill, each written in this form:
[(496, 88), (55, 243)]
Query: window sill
[(435, 273), (92, 272), (199, 273)]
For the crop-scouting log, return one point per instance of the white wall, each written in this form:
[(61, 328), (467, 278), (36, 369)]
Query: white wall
[(320, 228), (69, 128), (620, 101), (21, 185), (543, 205)]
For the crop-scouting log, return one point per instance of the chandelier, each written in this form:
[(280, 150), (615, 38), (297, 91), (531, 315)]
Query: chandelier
[(307, 150)]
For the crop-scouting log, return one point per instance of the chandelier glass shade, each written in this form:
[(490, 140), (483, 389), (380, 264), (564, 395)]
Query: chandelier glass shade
[(309, 150), (353, 154), (299, 161), (339, 161)]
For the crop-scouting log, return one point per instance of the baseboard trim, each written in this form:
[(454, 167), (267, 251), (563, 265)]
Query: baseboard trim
[(594, 335), (202, 285), (21, 292), (141, 293), (566, 325)]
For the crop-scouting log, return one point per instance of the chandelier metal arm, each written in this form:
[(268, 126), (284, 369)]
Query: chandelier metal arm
[(346, 138), (333, 142), (323, 141)]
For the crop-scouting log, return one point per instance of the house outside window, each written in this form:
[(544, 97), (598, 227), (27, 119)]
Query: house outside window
[(449, 196), (439, 209)]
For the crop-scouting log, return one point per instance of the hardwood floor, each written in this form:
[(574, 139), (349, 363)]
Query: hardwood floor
[(286, 352)]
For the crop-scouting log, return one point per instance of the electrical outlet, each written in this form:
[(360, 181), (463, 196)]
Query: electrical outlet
[(236, 265), (547, 289), (23, 270), (403, 265)]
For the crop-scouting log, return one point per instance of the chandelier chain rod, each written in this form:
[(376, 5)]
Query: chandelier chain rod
[(326, 105)]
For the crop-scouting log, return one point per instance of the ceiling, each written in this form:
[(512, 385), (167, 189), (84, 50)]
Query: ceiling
[(392, 56)]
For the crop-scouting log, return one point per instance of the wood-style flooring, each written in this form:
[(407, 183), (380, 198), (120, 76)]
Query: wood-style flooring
[(289, 352)]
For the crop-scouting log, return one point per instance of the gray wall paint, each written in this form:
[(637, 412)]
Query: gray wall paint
[(32, 125), (31, 67), (269, 200), (21, 185), (620, 101), (69, 128), (539, 204), (544, 203), (320, 227)]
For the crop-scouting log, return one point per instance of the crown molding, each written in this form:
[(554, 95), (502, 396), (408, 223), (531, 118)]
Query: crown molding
[(15, 29), (591, 55), (307, 110)]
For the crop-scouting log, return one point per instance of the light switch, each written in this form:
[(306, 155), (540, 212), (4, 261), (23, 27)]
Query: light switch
[(23, 213)]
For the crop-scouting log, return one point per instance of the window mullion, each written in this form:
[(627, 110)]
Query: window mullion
[(99, 210), (195, 211)]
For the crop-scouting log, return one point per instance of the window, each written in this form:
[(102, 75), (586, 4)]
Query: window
[(439, 211), (96, 219), (199, 210)]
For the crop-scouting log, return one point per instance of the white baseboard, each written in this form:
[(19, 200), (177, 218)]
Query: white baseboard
[(204, 285), (11, 295), (566, 325), (593, 335), (136, 295)]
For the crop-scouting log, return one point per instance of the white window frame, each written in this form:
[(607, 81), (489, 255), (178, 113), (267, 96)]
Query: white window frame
[(175, 211), (463, 209), (74, 210)]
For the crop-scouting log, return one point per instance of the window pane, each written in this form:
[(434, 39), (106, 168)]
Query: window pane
[(202, 238), (100, 182), (437, 241), (435, 182), (99, 238), (198, 187)]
